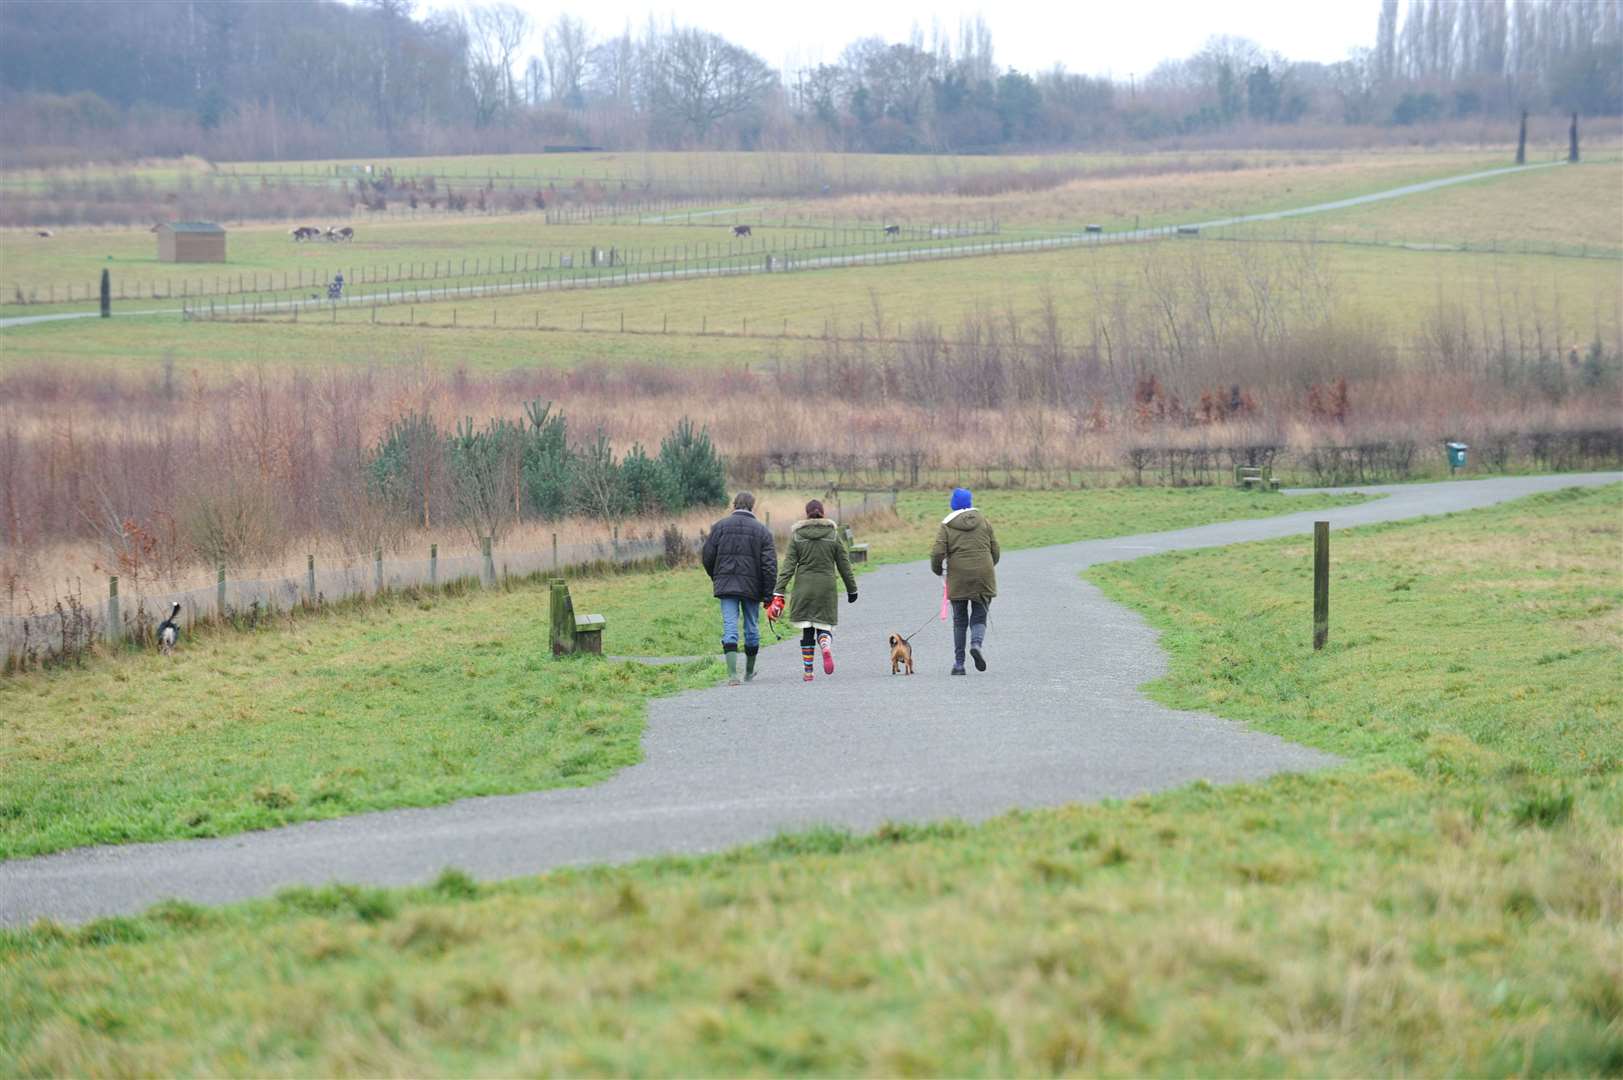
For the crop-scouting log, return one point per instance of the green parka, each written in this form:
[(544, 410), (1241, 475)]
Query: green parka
[(966, 544), (816, 563)]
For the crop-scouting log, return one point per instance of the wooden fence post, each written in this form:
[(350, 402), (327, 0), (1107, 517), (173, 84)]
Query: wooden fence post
[(115, 626), (490, 562), (310, 579), (1321, 583), (562, 618), (555, 552), (433, 565), (219, 595), (377, 570)]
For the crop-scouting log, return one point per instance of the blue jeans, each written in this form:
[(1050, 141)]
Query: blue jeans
[(731, 606)]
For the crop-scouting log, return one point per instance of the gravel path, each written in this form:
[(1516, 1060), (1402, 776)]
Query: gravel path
[(1058, 718)]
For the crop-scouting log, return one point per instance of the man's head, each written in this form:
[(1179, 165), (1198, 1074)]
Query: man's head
[(744, 501)]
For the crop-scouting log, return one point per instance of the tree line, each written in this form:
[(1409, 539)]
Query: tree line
[(256, 79)]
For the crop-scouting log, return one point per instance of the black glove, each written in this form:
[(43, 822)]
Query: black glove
[(850, 597)]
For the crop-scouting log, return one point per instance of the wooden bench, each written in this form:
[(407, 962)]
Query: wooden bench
[(573, 633), (859, 553), (1093, 228), (1251, 477), (589, 634)]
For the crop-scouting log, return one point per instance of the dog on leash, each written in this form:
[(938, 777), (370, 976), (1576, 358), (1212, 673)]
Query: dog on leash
[(901, 654)]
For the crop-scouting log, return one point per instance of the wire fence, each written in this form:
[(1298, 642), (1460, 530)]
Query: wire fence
[(73, 621), (613, 269), (382, 280)]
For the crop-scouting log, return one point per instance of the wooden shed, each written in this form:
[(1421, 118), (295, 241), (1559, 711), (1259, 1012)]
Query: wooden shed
[(191, 241)]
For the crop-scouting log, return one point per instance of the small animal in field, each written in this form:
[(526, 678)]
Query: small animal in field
[(303, 233), (344, 233), (169, 631), (44, 234), (741, 230), (893, 230), (901, 654)]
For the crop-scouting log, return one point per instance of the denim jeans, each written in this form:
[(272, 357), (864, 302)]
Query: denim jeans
[(730, 608), (968, 615)]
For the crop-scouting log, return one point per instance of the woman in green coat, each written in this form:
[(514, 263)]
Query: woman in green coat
[(817, 564), (966, 549)]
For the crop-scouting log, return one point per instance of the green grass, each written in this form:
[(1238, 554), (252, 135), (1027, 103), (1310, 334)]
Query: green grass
[(1571, 208), (1446, 903), (727, 321), (416, 701), (421, 700), (653, 615)]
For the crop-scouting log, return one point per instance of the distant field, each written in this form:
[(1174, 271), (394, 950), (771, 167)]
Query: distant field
[(1392, 286), (1145, 190), (1574, 208), (770, 173), (1163, 193), (734, 320)]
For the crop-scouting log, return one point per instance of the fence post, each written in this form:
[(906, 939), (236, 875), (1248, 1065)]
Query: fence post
[(433, 566), (219, 595), (1321, 584), (377, 570), (562, 618), (490, 562), (555, 552), (310, 579), (106, 295), (115, 627)]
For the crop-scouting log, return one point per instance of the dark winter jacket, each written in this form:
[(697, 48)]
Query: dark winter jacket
[(966, 544), (740, 557), (817, 563)]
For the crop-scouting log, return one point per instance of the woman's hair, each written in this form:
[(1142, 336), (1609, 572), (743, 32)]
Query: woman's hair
[(814, 509)]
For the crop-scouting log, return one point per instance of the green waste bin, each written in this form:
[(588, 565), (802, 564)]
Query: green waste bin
[(1456, 455)]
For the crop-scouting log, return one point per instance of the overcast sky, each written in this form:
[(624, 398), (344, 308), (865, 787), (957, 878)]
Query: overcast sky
[(1092, 37)]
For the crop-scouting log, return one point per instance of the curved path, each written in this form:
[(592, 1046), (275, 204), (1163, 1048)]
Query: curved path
[(1057, 719)]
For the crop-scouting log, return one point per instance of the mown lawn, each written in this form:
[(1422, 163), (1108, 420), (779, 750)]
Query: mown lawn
[(422, 699), (415, 701), (1447, 902)]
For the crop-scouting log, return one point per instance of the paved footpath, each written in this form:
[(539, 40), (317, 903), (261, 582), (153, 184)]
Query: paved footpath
[(1058, 718)]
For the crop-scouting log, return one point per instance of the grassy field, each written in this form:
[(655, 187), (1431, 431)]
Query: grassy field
[(1446, 902), (768, 173), (1575, 208), (1162, 193), (421, 700), (741, 319), (1396, 287), (1147, 190)]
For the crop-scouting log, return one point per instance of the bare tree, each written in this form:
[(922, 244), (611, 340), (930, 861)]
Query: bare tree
[(535, 81), (566, 44), (697, 79), (494, 36)]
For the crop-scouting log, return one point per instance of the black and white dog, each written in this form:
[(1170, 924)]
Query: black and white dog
[(169, 630)]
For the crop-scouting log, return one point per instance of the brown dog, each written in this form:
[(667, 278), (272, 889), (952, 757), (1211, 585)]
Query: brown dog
[(901, 654)]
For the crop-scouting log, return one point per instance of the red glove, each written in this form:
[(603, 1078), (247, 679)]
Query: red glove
[(774, 609)]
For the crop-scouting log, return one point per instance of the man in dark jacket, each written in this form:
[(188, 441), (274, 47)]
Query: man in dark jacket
[(743, 563)]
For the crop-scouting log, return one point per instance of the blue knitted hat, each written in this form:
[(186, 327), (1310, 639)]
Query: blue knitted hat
[(961, 499)]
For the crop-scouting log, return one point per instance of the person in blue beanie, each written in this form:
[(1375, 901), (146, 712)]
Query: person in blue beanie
[(966, 551)]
